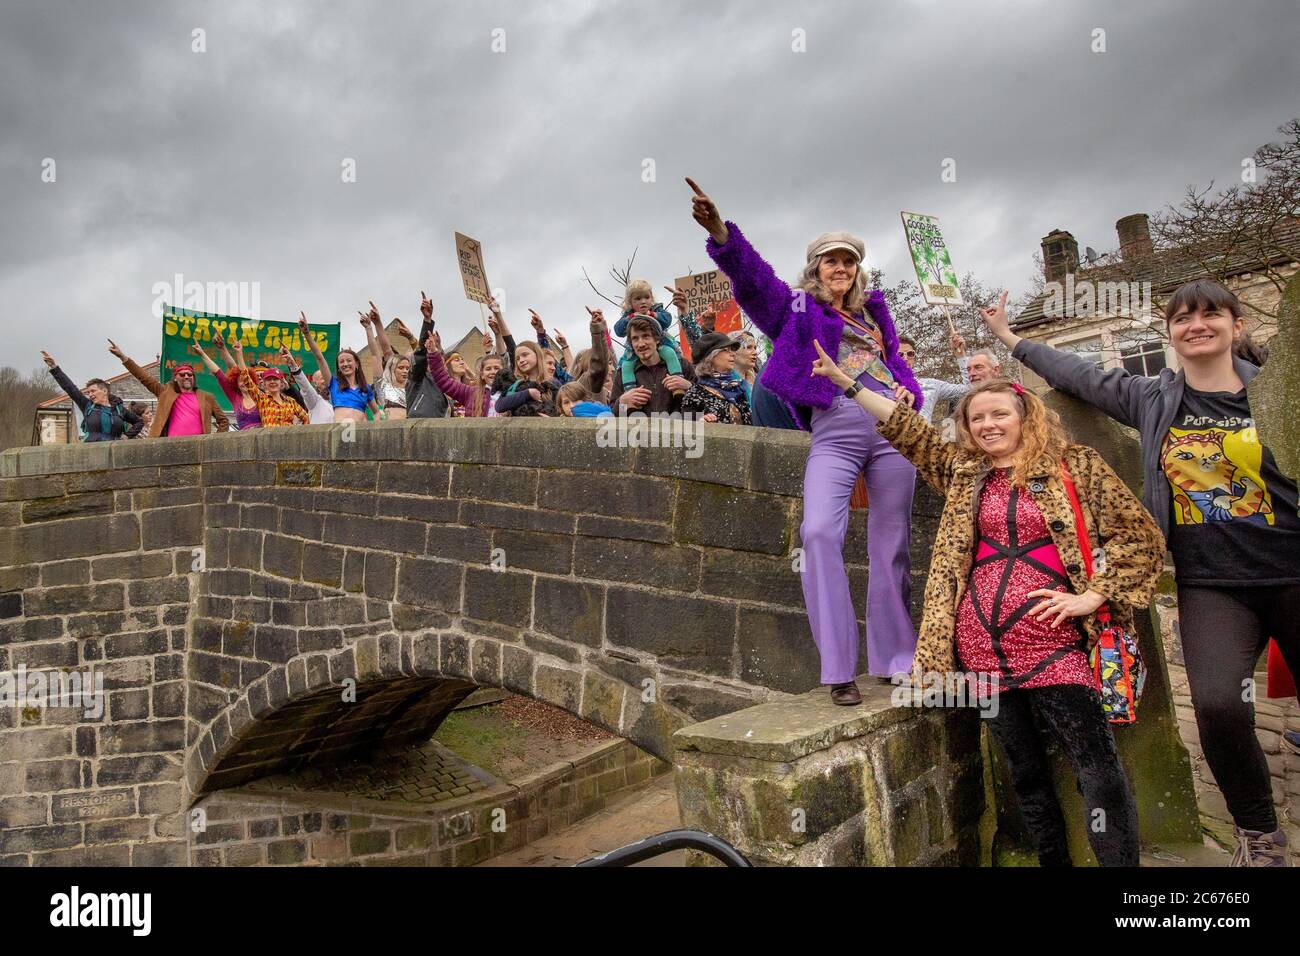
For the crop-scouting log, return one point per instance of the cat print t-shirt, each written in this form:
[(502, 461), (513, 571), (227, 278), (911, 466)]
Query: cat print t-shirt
[(1235, 518)]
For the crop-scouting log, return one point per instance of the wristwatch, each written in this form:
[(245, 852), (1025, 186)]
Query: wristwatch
[(853, 390)]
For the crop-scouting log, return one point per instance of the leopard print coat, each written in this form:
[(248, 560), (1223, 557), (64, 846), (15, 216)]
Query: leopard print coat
[(1131, 544)]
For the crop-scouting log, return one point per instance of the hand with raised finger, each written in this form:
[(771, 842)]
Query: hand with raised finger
[(426, 306), (995, 316), (115, 351), (706, 213), (826, 368), (536, 321), (679, 297), (49, 359)]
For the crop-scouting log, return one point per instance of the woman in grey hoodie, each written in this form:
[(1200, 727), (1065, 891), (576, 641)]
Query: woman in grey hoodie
[(1231, 519)]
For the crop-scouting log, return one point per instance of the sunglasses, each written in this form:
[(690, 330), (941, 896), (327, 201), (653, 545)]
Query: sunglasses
[(907, 353)]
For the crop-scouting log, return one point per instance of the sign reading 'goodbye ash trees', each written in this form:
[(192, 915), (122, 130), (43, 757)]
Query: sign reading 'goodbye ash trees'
[(934, 271)]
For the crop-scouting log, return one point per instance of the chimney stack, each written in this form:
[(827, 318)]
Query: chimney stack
[(1134, 236), (1060, 255)]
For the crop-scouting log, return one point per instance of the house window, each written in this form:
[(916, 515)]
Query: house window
[(1147, 358), (1089, 349)]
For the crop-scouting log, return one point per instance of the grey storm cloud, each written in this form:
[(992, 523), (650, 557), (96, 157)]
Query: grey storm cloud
[(225, 165)]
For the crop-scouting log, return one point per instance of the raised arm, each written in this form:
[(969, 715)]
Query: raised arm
[(78, 397), (386, 350), (220, 341), (368, 321), (420, 358), (441, 377), (1116, 392), (211, 365), (566, 353), (902, 427), (685, 318), (764, 296), (141, 376), (326, 372), (228, 385), (506, 342), (598, 362)]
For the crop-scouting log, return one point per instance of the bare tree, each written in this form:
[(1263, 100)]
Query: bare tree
[(1251, 227), (928, 325), (622, 276), (20, 393)]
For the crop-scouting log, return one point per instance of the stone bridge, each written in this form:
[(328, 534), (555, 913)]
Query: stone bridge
[(268, 599)]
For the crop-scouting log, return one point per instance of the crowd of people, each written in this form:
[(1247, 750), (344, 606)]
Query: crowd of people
[(1041, 551)]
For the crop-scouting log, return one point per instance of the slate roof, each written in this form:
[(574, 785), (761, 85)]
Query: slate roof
[(1165, 271)]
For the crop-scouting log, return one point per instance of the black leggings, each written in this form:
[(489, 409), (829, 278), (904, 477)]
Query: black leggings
[(1074, 716), (1223, 633)]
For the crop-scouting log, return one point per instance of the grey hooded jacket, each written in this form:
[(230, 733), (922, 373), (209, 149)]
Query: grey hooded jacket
[(1145, 402)]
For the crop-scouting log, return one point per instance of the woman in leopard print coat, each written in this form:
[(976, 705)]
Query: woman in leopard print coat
[(1008, 599)]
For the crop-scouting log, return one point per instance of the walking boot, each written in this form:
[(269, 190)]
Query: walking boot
[(1256, 848)]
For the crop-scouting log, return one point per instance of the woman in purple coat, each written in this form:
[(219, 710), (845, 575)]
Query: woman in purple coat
[(830, 304)]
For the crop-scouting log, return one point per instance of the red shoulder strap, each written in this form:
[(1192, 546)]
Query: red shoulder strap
[(1080, 528)]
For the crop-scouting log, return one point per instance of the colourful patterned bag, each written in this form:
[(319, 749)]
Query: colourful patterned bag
[(1115, 660)]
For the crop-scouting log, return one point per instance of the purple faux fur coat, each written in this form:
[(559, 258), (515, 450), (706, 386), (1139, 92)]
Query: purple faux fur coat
[(770, 304)]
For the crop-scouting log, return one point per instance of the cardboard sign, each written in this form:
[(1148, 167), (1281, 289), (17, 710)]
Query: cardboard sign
[(709, 290), (934, 270), (469, 256)]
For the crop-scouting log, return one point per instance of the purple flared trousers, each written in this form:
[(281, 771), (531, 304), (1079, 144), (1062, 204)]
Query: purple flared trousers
[(844, 443)]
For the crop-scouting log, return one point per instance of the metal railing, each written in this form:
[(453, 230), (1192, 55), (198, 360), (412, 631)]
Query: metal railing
[(666, 842)]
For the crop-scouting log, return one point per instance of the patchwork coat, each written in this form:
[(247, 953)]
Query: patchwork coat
[(1128, 547)]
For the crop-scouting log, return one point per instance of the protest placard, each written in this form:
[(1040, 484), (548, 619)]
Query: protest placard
[(469, 256), (930, 259), (709, 291)]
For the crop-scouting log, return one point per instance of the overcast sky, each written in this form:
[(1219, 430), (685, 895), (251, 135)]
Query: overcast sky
[(225, 165)]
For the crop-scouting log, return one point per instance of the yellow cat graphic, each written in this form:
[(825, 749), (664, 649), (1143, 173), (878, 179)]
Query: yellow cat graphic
[(1215, 476)]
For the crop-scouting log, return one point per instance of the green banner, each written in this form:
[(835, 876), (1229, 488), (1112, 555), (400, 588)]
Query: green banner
[(261, 339)]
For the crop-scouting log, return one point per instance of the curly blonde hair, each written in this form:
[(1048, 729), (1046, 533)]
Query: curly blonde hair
[(633, 287), (1041, 431)]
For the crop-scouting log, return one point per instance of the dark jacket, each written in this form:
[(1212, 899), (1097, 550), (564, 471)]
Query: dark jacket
[(1148, 403), (423, 397), (99, 422), (651, 377)]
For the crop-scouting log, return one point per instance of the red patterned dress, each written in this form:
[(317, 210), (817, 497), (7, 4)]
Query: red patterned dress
[(1014, 555)]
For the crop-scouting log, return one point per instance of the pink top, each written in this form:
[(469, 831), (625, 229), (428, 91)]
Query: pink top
[(185, 418), (457, 391), (995, 633)]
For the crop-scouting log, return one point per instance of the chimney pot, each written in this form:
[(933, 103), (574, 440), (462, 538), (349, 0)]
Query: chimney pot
[(1134, 236), (1060, 255)]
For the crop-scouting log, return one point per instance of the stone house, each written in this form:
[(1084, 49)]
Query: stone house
[(1106, 308)]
